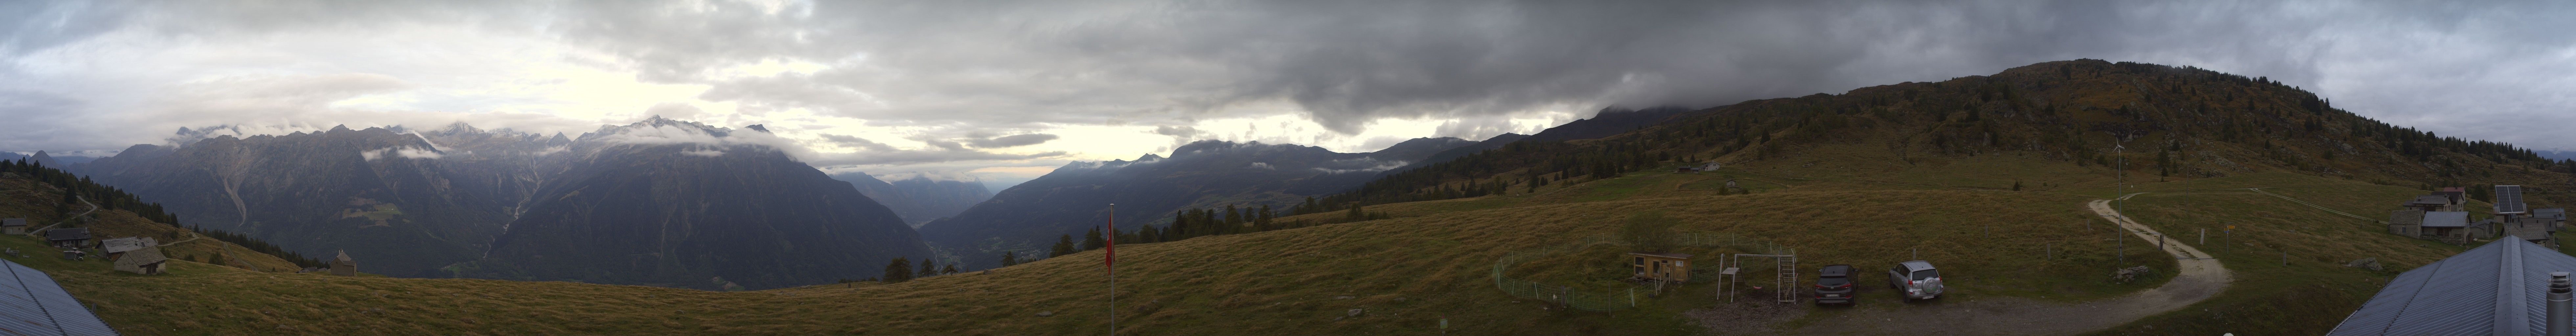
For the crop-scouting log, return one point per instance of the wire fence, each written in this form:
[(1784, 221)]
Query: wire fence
[(1613, 299)]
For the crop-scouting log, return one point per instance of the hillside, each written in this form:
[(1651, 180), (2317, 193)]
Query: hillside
[(1026, 219), (1893, 181), (22, 197), (2173, 122), (1289, 281)]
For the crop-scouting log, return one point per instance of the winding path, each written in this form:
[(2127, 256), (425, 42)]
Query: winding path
[(2200, 278), (40, 232)]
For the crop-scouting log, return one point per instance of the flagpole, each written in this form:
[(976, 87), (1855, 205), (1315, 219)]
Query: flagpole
[(1109, 257)]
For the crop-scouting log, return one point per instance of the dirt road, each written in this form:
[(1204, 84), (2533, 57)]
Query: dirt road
[(2200, 278)]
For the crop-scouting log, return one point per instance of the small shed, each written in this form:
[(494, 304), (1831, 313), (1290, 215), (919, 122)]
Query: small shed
[(2448, 226), (2406, 222), (342, 265), (2557, 217), (15, 226), (1674, 267), (146, 261), (68, 238), (2531, 229)]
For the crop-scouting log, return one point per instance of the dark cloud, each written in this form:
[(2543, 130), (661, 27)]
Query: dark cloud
[(2450, 67), (1012, 140)]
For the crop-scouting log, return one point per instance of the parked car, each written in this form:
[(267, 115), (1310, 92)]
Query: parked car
[(1834, 285), (1916, 279)]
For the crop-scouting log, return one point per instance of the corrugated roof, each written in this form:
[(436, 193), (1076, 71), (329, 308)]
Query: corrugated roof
[(2446, 219), (114, 245), (13, 222), (32, 304), (2495, 289)]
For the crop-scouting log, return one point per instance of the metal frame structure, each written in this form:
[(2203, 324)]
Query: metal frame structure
[(1787, 277)]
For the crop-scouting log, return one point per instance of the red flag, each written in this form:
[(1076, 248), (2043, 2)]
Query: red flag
[(1109, 253)]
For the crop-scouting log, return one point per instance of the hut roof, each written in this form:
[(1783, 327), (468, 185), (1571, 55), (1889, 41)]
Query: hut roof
[(2550, 213), (67, 234), (2436, 219), (114, 245), (13, 222), (144, 256), (2429, 200), (2406, 217), (1662, 254), (35, 305), (2498, 288)]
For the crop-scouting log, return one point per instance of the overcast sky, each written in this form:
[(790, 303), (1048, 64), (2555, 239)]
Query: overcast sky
[(1010, 89)]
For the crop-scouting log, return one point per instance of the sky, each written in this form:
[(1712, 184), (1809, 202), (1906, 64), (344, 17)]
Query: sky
[(1008, 90)]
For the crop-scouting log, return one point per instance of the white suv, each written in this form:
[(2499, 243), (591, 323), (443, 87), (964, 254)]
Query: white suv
[(1917, 278)]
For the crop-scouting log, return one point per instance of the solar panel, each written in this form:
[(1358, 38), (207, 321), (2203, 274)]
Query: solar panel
[(2509, 200), (32, 304)]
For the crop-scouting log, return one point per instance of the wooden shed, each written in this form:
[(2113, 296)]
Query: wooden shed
[(2448, 226), (145, 261), (342, 265), (15, 226), (68, 238), (2406, 223), (1674, 267)]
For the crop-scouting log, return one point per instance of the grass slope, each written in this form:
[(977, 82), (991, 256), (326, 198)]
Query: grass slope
[(1429, 263)]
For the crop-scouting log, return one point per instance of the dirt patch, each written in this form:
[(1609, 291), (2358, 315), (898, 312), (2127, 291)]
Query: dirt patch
[(1745, 317)]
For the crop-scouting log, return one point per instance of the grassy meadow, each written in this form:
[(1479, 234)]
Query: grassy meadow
[(1429, 263)]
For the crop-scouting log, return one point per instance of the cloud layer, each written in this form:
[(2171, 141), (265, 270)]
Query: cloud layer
[(958, 85)]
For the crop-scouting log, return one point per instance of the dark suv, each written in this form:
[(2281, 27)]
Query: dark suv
[(1834, 285)]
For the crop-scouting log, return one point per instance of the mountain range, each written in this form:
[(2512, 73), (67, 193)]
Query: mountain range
[(920, 199), (462, 201), (1027, 218)]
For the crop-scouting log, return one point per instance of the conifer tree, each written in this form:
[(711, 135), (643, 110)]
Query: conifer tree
[(1008, 259), (1063, 246), (1092, 240), (899, 270), (929, 267)]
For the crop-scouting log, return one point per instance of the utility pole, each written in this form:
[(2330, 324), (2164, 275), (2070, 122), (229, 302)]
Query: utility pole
[(2120, 148)]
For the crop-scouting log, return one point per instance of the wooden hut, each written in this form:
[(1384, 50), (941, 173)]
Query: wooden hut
[(2448, 226), (147, 261), (2406, 222), (2536, 230), (68, 238), (15, 226), (342, 265), (1674, 267)]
